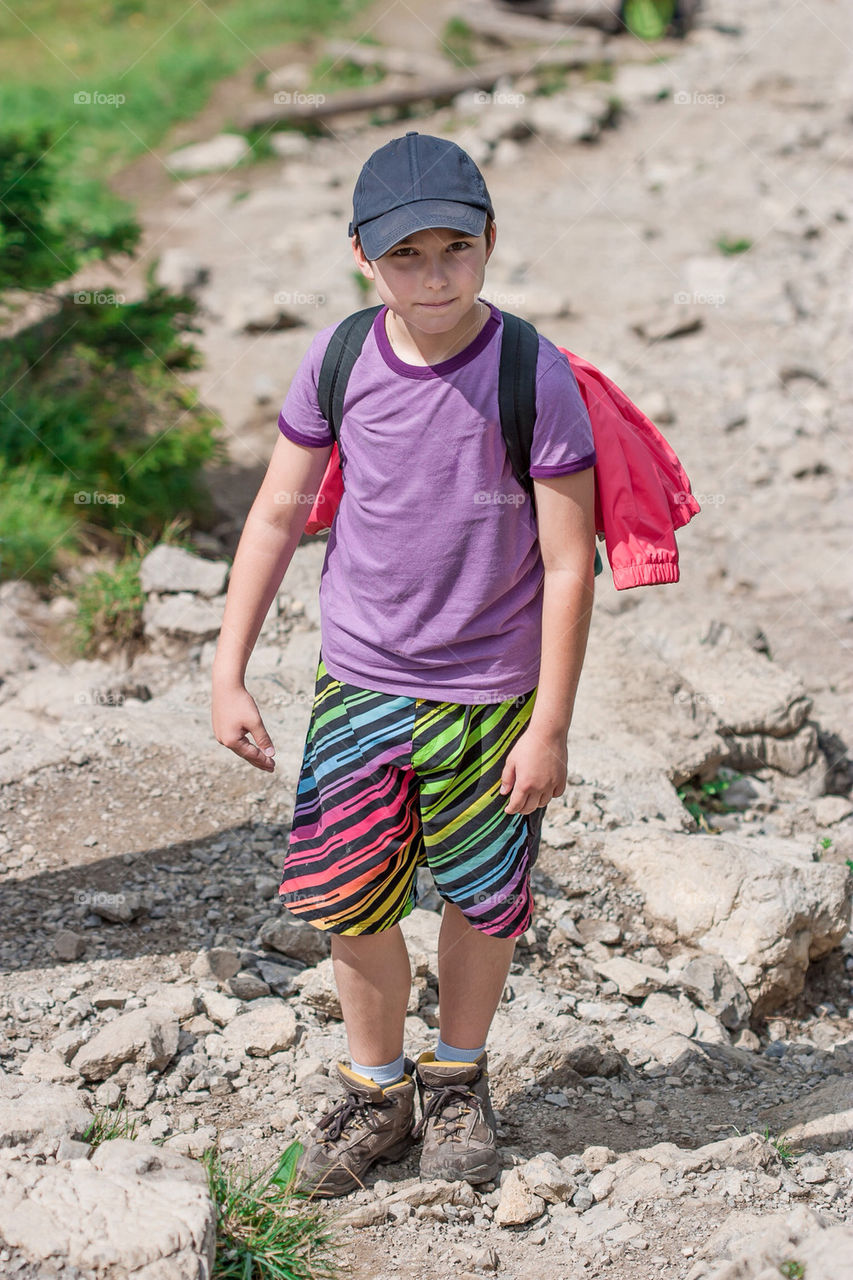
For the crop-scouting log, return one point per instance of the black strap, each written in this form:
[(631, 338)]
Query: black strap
[(517, 394), (516, 382), (341, 354), (516, 386)]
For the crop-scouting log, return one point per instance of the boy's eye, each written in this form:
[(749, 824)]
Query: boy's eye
[(405, 250)]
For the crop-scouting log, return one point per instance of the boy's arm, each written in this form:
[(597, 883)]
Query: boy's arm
[(270, 536), (535, 770)]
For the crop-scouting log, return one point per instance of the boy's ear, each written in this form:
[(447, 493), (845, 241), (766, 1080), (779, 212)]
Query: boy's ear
[(362, 263)]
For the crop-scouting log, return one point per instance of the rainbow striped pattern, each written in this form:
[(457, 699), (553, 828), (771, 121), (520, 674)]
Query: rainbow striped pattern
[(388, 783)]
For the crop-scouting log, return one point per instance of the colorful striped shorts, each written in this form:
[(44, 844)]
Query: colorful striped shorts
[(389, 783)]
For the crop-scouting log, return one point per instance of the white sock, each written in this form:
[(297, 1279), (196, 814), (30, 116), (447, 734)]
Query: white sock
[(387, 1073), (447, 1053)]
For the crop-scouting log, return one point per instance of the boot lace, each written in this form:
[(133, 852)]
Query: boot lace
[(449, 1105), (352, 1108)]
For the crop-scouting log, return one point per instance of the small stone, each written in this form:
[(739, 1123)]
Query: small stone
[(583, 1199), (596, 1158), (813, 1174), (606, 931), (68, 945), (518, 1204)]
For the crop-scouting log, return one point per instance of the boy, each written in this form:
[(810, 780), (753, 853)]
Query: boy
[(454, 622)]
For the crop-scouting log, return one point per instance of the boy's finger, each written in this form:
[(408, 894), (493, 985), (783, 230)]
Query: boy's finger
[(248, 751), (507, 778)]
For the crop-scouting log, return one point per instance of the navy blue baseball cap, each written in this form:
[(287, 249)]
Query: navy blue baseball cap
[(413, 183)]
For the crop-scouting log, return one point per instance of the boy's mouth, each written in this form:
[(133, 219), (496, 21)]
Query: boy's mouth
[(436, 306)]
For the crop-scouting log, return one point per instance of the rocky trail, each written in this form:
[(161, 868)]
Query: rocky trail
[(672, 1060)]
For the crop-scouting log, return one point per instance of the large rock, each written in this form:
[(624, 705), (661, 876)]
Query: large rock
[(168, 568), (317, 988), (710, 981), (148, 1037), (822, 1120), (221, 152), (296, 939), (518, 1204), (748, 1247), (134, 1210), (36, 1112), (268, 1027), (184, 616), (762, 903)]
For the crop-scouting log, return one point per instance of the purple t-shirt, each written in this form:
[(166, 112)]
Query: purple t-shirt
[(432, 582)]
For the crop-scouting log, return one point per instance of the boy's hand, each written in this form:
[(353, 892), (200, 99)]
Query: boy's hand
[(535, 771), (235, 715)]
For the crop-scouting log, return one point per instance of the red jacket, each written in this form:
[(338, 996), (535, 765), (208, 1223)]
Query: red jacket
[(642, 493)]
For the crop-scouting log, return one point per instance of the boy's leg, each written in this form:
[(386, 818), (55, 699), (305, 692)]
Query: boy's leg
[(472, 972), (480, 857), (350, 868), (374, 978)]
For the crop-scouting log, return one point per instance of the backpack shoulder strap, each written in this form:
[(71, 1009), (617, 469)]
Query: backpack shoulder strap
[(341, 354), (517, 399), (517, 393)]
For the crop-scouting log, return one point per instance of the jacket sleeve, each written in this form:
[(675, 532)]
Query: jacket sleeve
[(642, 492)]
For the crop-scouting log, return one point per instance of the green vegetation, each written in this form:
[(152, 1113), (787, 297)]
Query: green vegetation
[(110, 77), (109, 606), (108, 1124), (457, 41), (792, 1270), (101, 439), (648, 19), (727, 245), (784, 1152), (266, 1230), (330, 75), (703, 799)]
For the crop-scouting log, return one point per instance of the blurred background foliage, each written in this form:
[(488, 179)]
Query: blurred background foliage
[(102, 442)]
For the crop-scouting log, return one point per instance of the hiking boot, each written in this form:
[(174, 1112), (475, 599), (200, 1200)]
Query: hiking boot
[(457, 1120), (368, 1126)]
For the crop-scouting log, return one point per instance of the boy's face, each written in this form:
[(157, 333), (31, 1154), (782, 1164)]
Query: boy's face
[(432, 278)]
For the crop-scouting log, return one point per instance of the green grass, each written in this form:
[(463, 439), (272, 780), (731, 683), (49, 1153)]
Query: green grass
[(331, 75), (109, 606), (783, 1150), (792, 1270), (457, 42), (703, 799), (108, 1124), (730, 246), (264, 1229), (162, 59)]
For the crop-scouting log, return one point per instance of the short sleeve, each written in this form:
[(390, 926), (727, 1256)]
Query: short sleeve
[(300, 418), (562, 436)]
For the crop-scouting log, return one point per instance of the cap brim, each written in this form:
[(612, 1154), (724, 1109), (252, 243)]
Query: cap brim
[(381, 234)]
